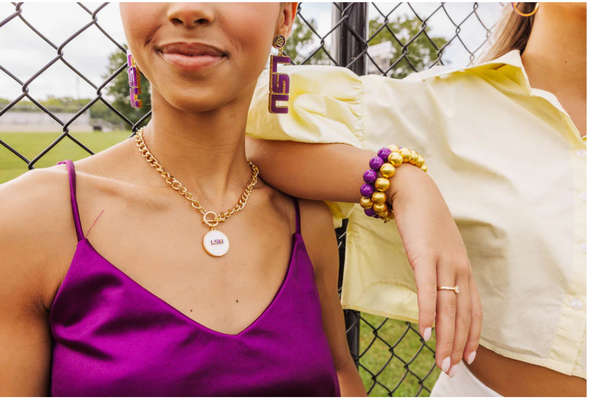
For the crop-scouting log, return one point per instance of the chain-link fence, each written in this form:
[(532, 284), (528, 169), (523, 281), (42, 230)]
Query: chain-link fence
[(393, 39)]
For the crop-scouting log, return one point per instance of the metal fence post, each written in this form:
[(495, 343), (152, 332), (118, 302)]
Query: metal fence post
[(350, 40), (348, 50)]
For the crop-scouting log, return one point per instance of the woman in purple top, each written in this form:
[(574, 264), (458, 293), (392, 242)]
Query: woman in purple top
[(164, 297), (154, 301)]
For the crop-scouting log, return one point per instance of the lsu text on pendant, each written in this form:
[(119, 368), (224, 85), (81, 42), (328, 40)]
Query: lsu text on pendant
[(216, 243)]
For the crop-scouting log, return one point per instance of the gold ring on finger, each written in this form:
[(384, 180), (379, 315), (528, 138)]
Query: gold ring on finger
[(453, 288)]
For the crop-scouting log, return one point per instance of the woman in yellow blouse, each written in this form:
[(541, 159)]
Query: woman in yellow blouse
[(505, 142)]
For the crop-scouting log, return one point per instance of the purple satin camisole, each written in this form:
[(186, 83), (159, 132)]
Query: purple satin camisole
[(112, 337)]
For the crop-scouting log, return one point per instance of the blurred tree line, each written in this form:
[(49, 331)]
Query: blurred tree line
[(412, 39)]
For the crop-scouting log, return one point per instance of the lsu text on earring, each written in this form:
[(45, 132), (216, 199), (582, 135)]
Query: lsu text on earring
[(278, 85), (134, 81)]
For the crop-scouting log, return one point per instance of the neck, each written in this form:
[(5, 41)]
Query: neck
[(555, 55), (204, 151)]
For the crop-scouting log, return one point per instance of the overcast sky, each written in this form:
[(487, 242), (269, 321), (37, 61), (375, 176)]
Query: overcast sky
[(22, 52)]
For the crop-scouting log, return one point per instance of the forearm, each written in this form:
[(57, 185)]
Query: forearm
[(328, 172), (331, 172), (350, 380)]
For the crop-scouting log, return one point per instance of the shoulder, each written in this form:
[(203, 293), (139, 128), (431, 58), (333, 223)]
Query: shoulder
[(320, 96), (36, 230), (473, 78), (34, 199), (317, 229)]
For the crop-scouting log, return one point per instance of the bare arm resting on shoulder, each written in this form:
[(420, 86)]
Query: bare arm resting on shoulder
[(435, 249)]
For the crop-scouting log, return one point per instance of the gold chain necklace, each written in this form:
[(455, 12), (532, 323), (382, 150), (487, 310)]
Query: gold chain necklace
[(215, 242)]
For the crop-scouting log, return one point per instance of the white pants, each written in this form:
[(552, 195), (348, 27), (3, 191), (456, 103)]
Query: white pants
[(462, 384)]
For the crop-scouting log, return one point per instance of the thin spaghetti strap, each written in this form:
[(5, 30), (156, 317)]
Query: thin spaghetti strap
[(297, 217), (72, 176)]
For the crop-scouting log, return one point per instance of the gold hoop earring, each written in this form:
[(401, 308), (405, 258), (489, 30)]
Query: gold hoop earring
[(517, 11)]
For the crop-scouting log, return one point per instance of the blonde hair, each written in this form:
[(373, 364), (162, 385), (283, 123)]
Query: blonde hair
[(512, 32)]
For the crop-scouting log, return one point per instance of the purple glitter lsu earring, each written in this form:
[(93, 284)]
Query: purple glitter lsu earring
[(278, 84), (134, 81)]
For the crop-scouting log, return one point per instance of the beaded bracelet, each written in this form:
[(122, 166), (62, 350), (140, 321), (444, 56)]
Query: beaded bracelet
[(374, 200)]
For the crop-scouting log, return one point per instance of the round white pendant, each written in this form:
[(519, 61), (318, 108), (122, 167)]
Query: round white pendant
[(216, 243)]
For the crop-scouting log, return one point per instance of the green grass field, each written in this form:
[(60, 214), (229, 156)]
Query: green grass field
[(378, 354), (31, 144)]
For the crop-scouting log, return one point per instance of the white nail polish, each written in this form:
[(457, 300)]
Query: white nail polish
[(471, 357), (446, 364), (427, 334), (453, 371)]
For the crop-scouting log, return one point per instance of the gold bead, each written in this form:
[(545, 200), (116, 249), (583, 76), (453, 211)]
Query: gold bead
[(415, 157), (420, 161), (380, 208), (406, 154), (387, 170), (395, 159), (378, 197), (424, 167), (382, 184), (383, 214), (387, 215), (366, 203), (393, 148)]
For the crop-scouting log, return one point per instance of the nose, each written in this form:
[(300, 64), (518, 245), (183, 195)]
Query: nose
[(191, 14)]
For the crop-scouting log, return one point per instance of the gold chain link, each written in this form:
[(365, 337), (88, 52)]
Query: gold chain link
[(176, 185)]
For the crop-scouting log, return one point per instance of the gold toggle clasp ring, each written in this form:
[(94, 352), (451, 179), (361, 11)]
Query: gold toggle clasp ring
[(453, 288), (211, 222)]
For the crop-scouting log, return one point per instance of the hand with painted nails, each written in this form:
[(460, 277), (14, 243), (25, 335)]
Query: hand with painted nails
[(438, 257)]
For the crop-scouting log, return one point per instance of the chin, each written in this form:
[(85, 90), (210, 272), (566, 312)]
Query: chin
[(192, 105), (194, 101)]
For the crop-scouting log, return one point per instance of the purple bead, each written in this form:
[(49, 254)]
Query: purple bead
[(370, 176), (370, 212), (367, 190), (376, 162), (383, 153)]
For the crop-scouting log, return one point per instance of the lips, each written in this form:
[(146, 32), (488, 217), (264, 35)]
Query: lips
[(191, 56)]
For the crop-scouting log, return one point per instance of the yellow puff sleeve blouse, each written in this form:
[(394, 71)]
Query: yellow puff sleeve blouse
[(512, 168)]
